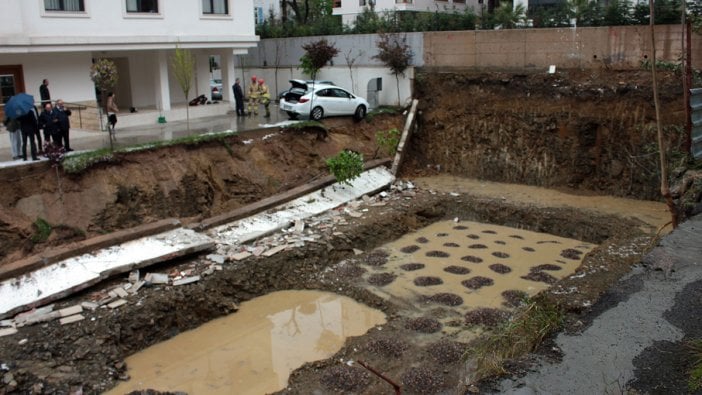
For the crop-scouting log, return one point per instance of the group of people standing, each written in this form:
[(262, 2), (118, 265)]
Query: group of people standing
[(258, 93), (53, 120)]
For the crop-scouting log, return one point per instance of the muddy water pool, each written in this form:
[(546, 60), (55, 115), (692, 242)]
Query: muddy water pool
[(254, 350), (461, 266)]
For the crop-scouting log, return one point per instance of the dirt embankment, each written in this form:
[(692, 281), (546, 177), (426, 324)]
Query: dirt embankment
[(187, 182), (589, 130)]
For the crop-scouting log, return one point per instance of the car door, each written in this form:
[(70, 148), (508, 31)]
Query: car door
[(323, 99), (343, 105)]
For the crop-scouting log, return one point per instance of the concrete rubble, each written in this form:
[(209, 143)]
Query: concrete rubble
[(298, 231)]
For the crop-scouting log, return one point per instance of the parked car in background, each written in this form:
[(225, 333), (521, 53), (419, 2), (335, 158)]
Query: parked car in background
[(216, 89), (309, 83), (321, 101)]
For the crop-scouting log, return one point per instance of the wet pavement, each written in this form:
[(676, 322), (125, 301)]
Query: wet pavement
[(82, 140), (602, 358)]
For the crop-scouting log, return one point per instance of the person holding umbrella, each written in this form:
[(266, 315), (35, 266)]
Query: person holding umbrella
[(21, 107)]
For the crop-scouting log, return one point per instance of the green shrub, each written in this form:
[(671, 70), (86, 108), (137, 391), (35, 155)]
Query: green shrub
[(388, 140), (346, 166), (43, 231)]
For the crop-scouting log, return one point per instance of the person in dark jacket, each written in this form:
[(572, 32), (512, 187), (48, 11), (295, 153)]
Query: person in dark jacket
[(29, 125), (64, 123), (49, 121), (238, 98), (44, 92)]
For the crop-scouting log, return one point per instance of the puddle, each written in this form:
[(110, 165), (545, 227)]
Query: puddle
[(466, 265), (254, 350)]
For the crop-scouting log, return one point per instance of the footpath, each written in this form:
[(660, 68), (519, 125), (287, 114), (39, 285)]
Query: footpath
[(636, 340)]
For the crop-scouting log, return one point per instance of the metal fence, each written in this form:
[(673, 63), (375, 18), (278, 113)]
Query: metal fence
[(696, 115)]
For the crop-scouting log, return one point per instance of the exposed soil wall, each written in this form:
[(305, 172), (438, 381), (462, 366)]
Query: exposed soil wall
[(593, 131), (187, 182)]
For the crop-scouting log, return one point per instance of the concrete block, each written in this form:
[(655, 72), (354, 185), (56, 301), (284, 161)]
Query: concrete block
[(274, 251), (90, 305), (70, 310), (187, 280), (137, 286), (241, 255), (7, 331), (117, 303), (71, 319), (6, 323), (120, 292), (134, 276), (216, 258), (156, 278)]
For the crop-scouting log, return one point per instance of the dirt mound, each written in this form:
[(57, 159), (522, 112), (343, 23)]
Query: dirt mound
[(186, 182), (589, 130)]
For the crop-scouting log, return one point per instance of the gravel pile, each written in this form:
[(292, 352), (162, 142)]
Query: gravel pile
[(500, 268), (345, 378), (424, 325), (350, 270), (409, 249), (456, 269), (460, 227), (500, 254), (477, 282), (446, 351), (540, 277), (387, 347), (447, 299), (472, 236), (486, 316), (381, 279), (412, 266), (516, 237), (454, 245), (425, 281), (438, 254), (377, 258), (422, 240), (489, 232), (477, 246), (546, 266), (514, 298), (500, 242), (528, 249), (472, 259), (571, 253), (422, 380)]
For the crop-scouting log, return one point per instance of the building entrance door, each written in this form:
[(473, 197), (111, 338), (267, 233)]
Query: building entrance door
[(11, 83)]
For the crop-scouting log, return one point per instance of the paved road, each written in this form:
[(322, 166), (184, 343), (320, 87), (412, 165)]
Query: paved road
[(623, 346)]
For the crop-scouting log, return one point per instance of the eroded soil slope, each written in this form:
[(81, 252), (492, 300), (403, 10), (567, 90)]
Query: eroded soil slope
[(589, 130), (187, 182)]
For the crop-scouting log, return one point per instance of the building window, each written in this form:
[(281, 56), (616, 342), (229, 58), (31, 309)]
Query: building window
[(143, 6), (64, 5), (337, 3), (215, 7), (362, 3), (258, 15), (403, 1)]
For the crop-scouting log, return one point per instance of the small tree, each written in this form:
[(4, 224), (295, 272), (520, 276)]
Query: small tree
[(183, 62), (396, 54), (317, 55), (350, 62), (346, 166)]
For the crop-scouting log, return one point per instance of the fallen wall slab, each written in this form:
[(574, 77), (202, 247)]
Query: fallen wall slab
[(259, 225), (74, 274)]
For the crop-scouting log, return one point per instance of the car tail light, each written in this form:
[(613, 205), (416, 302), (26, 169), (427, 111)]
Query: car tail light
[(303, 100)]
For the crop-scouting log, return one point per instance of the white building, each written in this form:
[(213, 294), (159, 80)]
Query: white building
[(59, 39), (350, 9)]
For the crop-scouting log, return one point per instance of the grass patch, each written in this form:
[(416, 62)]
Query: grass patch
[(77, 163), (43, 231), (392, 110), (694, 382), (530, 324)]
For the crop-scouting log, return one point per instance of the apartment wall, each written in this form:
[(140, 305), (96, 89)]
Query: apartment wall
[(588, 47)]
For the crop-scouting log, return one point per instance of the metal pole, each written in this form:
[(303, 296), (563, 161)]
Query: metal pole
[(382, 376), (687, 84)]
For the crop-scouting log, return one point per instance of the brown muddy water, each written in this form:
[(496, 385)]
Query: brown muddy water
[(459, 266), (254, 350)]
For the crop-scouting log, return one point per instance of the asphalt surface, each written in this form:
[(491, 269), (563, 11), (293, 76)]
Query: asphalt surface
[(637, 340)]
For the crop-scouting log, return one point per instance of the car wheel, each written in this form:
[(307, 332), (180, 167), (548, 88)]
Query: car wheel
[(292, 115), (317, 113), (360, 112)]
